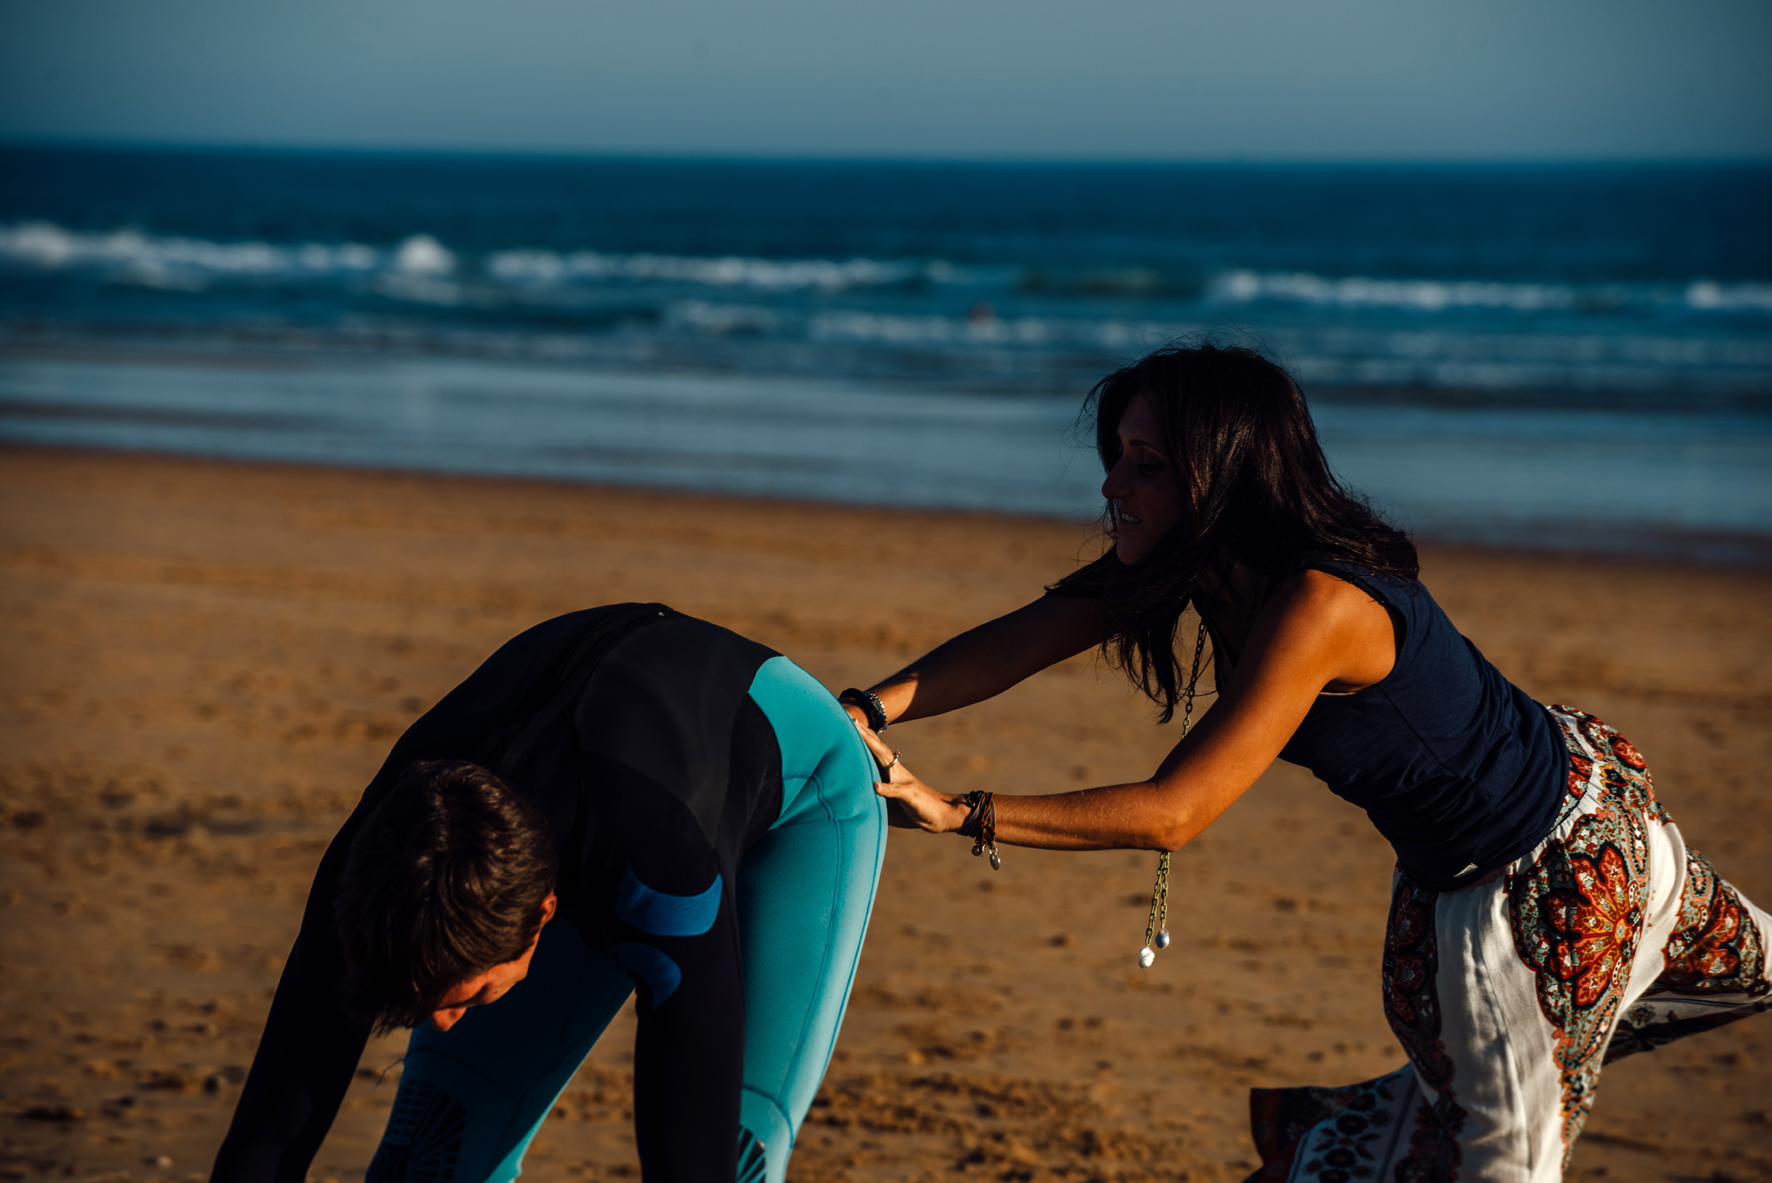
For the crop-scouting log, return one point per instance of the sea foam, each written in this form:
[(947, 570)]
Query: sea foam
[(550, 267), (48, 246), (128, 255), (1440, 295)]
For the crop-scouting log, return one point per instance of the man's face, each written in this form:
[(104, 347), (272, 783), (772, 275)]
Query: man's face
[(492, 984)]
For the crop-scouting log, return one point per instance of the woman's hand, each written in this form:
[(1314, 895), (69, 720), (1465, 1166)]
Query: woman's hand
[(907, 797)]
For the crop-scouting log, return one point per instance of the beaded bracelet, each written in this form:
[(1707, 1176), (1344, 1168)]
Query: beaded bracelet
[(981, 825)]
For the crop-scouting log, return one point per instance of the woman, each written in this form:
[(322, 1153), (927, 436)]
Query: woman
[(621, 797), (1545, 909)]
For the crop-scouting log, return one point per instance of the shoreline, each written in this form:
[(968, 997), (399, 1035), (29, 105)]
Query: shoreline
[(1656, 546), (295, 347), (207, 660)]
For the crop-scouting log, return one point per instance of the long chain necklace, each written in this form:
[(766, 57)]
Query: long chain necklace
[(1156, 926)]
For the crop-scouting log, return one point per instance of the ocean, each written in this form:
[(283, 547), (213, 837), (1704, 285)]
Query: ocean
[(1518, 355)]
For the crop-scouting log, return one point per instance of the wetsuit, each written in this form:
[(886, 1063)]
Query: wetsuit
[(719, 842)]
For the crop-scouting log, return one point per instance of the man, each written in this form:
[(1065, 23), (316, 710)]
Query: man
[(620, 797)]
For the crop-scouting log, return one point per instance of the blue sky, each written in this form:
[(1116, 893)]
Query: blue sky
[(1137, 79)]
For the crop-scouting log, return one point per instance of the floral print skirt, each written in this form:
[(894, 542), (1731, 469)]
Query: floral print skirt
[(1611, 937)]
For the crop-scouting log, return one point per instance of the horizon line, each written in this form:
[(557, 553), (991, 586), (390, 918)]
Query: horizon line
[(85, 143)]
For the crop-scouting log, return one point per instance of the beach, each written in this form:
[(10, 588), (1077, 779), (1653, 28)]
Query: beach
[(205, 661)]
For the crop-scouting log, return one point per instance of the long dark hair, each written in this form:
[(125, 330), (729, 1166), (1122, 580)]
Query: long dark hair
[(1254, 488)]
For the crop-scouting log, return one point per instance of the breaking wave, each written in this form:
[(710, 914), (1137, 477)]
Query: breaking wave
[(161, 261), (128, 255), (1438, 295), (918, 317), (550, 267), (422, 269)]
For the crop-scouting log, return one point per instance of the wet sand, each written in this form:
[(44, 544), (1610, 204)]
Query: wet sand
[(204, 662)]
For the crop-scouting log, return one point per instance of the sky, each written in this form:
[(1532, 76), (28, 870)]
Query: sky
[(1403, 80)]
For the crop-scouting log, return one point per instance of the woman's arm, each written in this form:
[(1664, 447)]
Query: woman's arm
[(1317, 630), (991, 658)]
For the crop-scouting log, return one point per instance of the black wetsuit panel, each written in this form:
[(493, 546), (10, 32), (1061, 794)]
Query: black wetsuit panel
[(631, 729)]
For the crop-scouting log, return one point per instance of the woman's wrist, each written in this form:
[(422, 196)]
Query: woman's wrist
[(869, 704), (981, 825), (962, 808)]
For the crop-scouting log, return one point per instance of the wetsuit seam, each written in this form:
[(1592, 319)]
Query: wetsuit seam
[(855, 963), (774, 1103), (816, 783)]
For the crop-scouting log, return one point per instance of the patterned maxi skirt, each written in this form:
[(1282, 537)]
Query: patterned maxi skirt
[(1611, 937)]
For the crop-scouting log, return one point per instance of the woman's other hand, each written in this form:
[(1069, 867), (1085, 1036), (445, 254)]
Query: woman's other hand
[(911, 802)]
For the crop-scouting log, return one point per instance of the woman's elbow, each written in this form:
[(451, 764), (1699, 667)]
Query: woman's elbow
[(1171, 816), (1169, 840), (1166, 835)]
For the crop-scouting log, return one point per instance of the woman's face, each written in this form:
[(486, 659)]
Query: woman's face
[(1142, 486)]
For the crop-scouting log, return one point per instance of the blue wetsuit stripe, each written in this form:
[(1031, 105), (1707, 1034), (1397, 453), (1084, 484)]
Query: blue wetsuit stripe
[(665, 915)]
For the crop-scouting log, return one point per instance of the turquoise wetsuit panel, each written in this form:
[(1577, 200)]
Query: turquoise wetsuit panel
[(471, 1099), (804, 895)]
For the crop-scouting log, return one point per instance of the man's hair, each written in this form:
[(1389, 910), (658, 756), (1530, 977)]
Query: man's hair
[(445, 880)]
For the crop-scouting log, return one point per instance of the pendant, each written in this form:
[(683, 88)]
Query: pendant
[(996, 863), (1147, 957), (1163, 939)]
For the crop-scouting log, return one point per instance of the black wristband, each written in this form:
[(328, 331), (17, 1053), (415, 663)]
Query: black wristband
[(870, 705)]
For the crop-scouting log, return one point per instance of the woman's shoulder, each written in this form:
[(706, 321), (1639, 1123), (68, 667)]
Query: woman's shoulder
[(1317, 592), (1397, 589)]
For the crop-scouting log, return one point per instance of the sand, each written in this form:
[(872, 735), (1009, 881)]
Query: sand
[(204, 662)]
